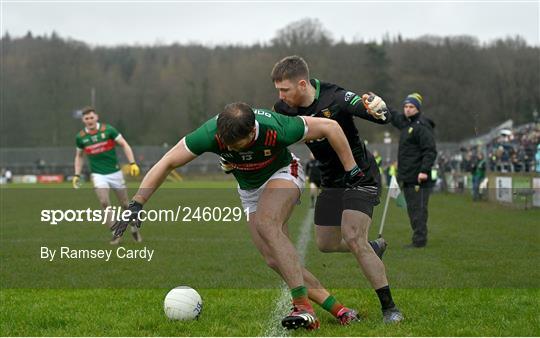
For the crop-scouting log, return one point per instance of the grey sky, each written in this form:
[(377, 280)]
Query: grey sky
[(112, 23)]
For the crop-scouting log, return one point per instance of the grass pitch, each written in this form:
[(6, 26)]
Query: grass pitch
[(477, 277)]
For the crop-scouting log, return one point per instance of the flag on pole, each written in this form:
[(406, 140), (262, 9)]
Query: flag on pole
[(395, 192)]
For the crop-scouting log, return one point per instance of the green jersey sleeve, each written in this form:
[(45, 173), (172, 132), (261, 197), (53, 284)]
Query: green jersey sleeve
[(113, 133), (203, 139), (78, 142), (294, 129)]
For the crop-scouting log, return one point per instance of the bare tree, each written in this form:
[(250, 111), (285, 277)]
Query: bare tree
[(303, 32)]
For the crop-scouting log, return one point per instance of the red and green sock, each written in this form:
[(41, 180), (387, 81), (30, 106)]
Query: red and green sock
[(300, 296), (332, 305)]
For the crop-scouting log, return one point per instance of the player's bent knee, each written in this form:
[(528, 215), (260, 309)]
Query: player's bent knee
[(326, 246), (359, 247), (354, 241)]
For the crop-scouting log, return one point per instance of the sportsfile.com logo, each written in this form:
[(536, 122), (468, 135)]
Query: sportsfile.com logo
[(117, 214)]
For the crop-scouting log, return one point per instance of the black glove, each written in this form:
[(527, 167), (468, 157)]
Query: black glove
[(353, 177), (119, 227)]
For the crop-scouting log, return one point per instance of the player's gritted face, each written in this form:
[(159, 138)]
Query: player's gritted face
[(409, 109), (90, 120), (242, 143), (292, 92)]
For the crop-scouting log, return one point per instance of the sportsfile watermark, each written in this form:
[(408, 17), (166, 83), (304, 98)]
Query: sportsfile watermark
[(118, 214)]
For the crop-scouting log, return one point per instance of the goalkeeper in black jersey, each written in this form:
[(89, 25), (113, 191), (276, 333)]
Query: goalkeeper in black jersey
[(342, 213)]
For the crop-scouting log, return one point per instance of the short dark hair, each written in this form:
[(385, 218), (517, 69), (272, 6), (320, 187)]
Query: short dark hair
[(235, 122), (290, 68), (88, 110)]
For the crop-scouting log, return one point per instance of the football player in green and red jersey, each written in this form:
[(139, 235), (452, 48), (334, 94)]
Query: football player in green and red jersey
[(270, 179), (98, 141)]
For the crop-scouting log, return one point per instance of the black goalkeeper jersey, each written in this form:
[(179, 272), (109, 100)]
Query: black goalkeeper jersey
[(336, 103)]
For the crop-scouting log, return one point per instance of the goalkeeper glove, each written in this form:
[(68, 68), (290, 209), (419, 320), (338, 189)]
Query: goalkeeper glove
[(76, 181), (134, 169), (375, 106)]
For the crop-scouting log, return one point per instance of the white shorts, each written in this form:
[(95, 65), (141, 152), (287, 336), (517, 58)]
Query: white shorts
[(113, 181), (250, 198)]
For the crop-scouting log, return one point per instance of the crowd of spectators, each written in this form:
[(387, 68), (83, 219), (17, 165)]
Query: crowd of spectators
[(512, 150)]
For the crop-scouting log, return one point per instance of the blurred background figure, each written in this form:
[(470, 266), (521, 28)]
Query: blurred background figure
[(478, 171), (313, 173), (98, 140), (537, 156)]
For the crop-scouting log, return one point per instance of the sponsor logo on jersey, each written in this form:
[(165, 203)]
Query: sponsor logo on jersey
[(99, 148), (349, 96), (251, 166), (410, 130), (267, 152), (102, 135), (262, 112), (228, 155)]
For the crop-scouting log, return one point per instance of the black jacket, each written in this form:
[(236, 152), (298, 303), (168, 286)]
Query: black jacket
[(417, 151)]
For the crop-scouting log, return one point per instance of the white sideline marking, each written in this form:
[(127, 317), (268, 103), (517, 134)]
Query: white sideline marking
[(283, 303)]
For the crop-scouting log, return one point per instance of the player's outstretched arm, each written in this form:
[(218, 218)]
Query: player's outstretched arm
[(369, 107), (77, 164), (174, 158), (134, 168), (326, 128), (330, 129)]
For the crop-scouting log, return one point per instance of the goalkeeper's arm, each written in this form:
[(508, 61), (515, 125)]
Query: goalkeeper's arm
[(368, 106)]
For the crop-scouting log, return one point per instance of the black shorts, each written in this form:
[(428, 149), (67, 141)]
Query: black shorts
[(332, 201), (316, 181)]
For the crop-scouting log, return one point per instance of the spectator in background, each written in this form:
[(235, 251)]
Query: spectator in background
[(378, 160), (416, 156), (391, 171), (537, 157), (40, 165), (478, 170), (8, 175)]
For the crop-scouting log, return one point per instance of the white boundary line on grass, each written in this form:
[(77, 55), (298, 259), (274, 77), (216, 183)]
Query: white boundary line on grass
[(283, 303)]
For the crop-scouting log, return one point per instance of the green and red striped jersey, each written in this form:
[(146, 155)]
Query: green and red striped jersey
[(268, 152), (99, 146)]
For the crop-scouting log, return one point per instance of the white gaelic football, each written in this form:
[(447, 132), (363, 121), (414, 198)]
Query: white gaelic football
[(182, 303)]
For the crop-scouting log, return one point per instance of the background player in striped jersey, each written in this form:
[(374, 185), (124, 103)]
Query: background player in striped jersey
[(98, 141)]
